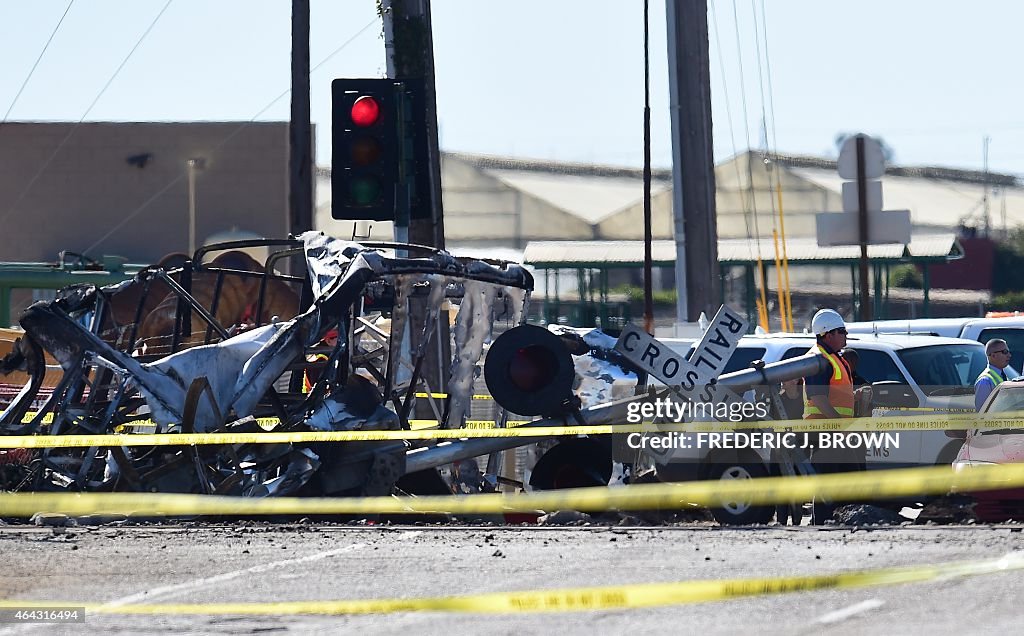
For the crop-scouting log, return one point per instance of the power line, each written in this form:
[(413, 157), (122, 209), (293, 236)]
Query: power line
[(38, 59), (71, 132), (222, 143), (732, 132)]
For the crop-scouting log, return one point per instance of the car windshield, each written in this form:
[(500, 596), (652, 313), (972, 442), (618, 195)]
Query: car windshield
[(946, 369), (1010, 397)]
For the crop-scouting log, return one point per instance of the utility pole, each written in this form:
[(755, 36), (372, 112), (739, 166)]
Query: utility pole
[(984, 198), (409, 47), (300, 135), (409, 44), (862, 229), (693, 163), (648, 233)]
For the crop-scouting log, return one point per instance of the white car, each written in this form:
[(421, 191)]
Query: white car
[(911, 375), (1008, 328), (996, 446)]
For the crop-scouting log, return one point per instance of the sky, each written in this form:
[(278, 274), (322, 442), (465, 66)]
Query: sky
[(558, 80)]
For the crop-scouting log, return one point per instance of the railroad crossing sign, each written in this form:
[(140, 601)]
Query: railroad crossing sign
[(692, 379)]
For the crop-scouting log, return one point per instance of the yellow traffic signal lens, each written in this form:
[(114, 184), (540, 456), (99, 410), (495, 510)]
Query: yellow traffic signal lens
[(366, 151)]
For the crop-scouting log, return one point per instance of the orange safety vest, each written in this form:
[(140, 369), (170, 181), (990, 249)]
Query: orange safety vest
[(840, 388)]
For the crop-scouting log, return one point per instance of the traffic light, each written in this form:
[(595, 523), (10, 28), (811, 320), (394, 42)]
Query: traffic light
[(366, 148)]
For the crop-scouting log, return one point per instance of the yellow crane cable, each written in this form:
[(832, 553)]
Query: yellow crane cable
[(779, 291), (762, 302), (788, 307)]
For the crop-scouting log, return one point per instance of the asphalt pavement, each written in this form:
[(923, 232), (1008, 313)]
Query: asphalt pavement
[(197, 562)]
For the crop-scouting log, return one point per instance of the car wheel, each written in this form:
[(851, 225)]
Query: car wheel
[(739, 512)]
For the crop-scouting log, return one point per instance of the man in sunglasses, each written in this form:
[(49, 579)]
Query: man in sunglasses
[(993, 375)]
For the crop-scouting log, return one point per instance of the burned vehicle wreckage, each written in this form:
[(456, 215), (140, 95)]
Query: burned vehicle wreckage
[(221, 345)]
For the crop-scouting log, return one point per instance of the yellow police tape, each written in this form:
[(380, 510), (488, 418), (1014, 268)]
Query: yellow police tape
[(628, 596), (308, 437), (874, 424), (444, 395), (873, 485)]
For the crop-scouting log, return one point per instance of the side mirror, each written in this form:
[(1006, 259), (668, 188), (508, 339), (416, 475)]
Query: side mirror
[(893, 394)]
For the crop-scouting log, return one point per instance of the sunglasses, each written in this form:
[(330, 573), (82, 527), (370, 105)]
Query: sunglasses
[(1003, 351), (841, 330)]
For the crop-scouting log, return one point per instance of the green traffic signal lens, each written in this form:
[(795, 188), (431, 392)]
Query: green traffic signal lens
[(366, 151), (364, 190)]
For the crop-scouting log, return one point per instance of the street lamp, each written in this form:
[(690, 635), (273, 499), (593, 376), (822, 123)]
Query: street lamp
[(192, 166)]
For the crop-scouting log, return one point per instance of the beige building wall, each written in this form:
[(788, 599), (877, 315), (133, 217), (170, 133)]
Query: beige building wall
[(746, 183), (479, 210), (736, 202), (66, 186), (629, 223)]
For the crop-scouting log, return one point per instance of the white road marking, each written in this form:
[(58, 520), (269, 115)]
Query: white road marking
[(179, 589), (188, 586), (845, 613)]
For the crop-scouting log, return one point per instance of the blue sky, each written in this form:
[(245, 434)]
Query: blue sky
[(552, 79)]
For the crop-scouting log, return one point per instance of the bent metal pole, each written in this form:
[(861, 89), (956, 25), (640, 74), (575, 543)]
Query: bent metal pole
[(610, 413)]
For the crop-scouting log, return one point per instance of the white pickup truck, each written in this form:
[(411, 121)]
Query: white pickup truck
[(1009, 328)]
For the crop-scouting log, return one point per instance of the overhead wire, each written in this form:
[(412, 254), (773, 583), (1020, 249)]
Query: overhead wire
[(95, 100), (732, 133), (145, 204), (32, 71), (778, 178), (781, 287), (763, 300)]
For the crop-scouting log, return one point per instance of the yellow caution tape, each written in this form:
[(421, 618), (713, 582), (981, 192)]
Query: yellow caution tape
[(444, 395), (629, 596), (873, 485), (480, 428), (305, 437)]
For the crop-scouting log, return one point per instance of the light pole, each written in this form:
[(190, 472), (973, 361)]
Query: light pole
[(192, 165)]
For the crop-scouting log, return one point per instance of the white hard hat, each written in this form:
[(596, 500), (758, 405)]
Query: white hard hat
[(826, 320)]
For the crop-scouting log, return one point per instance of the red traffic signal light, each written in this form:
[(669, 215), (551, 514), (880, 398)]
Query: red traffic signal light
[(365, 111)]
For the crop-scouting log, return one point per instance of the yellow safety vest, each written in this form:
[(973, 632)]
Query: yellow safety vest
[(840, 388)]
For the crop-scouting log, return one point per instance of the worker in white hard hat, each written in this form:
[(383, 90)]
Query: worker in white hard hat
[(829, 395)]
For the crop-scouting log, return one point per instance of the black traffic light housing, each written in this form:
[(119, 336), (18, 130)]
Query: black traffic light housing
[(379, 169), (365, 149)]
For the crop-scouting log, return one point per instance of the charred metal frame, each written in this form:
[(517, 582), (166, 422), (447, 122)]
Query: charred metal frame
[(104, 386)]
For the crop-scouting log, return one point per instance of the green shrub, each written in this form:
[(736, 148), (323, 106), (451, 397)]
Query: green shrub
[(906, 276), (666, 297), (1010, 301)]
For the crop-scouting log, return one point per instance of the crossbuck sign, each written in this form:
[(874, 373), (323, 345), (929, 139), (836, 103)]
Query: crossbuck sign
[(692, 379)]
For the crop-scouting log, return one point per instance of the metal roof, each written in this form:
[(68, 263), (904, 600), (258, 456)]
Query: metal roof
[(937, 202), (591, 198), (928, 247)]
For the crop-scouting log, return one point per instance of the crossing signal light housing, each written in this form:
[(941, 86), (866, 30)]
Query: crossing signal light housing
[(366, 149), (529, 371)]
